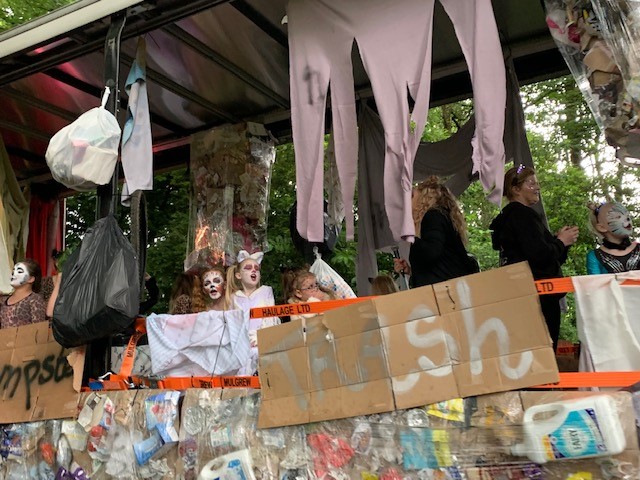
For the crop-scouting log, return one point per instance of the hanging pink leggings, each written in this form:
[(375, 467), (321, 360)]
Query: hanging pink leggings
[(394, 38)]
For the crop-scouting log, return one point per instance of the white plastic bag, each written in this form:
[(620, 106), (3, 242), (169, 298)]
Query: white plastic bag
[(329, 279), (83, 154)]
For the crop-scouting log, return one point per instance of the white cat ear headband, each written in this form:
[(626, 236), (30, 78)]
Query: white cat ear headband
[(243, 255)]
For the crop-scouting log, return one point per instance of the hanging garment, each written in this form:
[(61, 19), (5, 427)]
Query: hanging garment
[(452, 156), (137, 145), (14, 220), (394, 39), (202, 344), (607, 321)]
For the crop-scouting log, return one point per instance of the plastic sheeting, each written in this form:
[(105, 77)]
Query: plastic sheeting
[(600, 41), (188, 435), (231, 178)]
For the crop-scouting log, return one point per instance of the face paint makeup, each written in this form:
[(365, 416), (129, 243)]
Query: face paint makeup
[(213, 284), (249, 272), (619, 221), (20, 275)]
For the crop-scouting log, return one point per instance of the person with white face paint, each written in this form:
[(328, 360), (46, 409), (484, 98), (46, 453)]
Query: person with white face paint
[(212, 286), (25, 305), (611, 224), (245, 292)]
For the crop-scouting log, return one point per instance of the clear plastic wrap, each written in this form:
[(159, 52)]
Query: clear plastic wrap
[(470, 439), (231, 177), (600, 41)]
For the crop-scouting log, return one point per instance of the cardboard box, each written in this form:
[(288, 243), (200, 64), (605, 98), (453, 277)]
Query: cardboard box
[(479, 334), (36, 380)]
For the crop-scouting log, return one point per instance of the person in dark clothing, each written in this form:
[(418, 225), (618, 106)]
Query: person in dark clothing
[(153, 293), (520, 235), (438, 252)]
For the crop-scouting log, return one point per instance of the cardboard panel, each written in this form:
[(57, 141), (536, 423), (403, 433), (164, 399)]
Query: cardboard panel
[(284, 374), (284, 411), (416, 346), (36, 380), (351, 401), (361, 358), (380, 355), (290, 335), (422, 388), (501, 328), (512, 281), (405, 306), (508, 372)]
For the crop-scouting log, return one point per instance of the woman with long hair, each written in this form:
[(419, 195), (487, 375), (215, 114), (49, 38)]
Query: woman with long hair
[(438, 252), (25, 305)]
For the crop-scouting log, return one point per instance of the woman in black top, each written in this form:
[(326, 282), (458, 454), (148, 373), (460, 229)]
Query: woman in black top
[(520, 235), (438, 252)]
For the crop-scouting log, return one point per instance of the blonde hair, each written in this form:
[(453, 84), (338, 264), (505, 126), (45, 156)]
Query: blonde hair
[(198, 300), (515, 177), (233, 283), (433, 195), (383, 285), (293, 280)]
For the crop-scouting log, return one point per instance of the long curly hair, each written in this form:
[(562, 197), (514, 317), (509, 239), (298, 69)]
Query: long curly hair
[(200, 302), (433, 195)]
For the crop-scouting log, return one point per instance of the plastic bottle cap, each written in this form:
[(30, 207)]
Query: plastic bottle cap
[(519, 450)]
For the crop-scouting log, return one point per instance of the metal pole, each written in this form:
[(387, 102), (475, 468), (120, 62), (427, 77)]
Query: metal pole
[(98, 354), (405, 284), (108, 194)]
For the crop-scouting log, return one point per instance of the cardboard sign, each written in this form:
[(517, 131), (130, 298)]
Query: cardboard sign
[(473, 335), (36, 379)]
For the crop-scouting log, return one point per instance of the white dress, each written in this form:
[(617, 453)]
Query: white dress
[(261, 297)]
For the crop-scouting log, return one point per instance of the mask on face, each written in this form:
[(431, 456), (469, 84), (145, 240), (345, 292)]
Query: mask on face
[(619, 222), (213, 284), (249, 274), (20, 275)]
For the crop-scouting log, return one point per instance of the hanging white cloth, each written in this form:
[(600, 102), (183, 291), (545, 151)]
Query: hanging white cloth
[(203, 344), (137, 145), (608, 322)]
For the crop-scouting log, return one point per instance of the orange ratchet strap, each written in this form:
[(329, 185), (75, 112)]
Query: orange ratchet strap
[(593, 379), (544, 287), (182, 383), (302, 308), (129, 355)]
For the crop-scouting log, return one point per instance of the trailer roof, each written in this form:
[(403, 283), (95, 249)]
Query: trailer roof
[(210, 62)]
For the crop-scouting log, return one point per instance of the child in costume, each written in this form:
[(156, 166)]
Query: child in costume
[(301, 286), (616, 253), (245, 292)]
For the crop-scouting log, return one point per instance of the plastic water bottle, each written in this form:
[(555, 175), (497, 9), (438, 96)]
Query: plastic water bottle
[(582, 428)]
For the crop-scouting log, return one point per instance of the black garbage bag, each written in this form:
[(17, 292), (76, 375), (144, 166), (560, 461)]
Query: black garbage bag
[(100, 290)]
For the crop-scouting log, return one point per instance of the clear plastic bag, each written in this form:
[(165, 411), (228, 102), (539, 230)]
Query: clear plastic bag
[(84, 153), (329, 279), (100, 291)]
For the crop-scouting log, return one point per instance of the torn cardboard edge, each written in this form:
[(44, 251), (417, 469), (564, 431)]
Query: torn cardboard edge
[(472, 335), (37, 381)]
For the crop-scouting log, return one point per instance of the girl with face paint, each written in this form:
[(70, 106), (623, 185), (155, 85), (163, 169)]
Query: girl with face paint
[(245, 292), (25, 305), (611, 224), (212, 289)]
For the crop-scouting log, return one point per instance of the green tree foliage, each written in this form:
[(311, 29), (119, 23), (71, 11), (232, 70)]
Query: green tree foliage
[(572, 164), (17, 12)]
